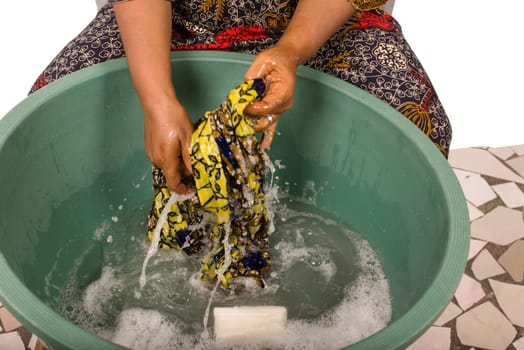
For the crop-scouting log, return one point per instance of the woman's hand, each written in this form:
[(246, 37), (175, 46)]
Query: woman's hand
[(167, 138), (277, 66), (313, 22), (145, 27)]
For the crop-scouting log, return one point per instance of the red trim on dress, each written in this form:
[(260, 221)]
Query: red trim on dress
[(40, 82), (373, 19), (225, 39)]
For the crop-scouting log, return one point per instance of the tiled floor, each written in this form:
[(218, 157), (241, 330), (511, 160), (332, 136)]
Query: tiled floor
[(487, 311), (13, 336)]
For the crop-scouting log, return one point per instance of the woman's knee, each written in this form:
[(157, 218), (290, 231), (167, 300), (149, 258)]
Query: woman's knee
[(99, 42)]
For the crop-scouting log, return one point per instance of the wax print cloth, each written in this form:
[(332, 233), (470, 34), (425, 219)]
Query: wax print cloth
[(229, 205)]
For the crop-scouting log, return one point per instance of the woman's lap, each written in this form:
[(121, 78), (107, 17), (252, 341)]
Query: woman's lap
[(373, 56), (99, 42)]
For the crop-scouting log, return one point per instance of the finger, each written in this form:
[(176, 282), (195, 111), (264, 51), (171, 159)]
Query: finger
[(274, 102), (175, 171), (174, 177), (258, 69), (268, 136), (263, 123), (259, 108)]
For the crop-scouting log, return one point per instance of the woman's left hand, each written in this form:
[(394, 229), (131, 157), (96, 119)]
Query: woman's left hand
[(278, 67)]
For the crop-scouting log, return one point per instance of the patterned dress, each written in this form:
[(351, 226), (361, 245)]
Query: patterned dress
[(369, 51)]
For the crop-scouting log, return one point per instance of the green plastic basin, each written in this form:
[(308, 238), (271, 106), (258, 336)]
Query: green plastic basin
[(386, 181)]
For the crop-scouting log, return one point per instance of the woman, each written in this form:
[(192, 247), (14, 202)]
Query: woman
[(353, 40)]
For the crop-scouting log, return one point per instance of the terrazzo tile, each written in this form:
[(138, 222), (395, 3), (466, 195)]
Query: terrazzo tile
[(485, 266), (11, 341), (517, 164), (475, 188), (24, 334), (32, 342), (474, 212), (475, 246), (482, 162), (468, 292), (512, 260), (451, 311), (519, 344), (510, 298), (485, 327), (37, 344), (510, 194), (435, 338), (8, 321), (501, 226), (462, 174), (502, 152), (519, 149)]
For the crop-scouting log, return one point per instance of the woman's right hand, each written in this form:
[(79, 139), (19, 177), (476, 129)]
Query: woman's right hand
[(167, 138), (145, 28)]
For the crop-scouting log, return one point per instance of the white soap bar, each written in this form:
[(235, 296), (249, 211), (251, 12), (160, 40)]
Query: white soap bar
[(252, 324)]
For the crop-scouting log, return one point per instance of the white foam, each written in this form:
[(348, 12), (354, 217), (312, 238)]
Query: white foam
[(99, 291), (328, 269), (153, 248), (364, 309), (146, 330), (220, 273), (100, 232), (316, 257)]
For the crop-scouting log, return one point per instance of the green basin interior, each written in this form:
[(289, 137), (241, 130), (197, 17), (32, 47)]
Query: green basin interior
[(79, 141)]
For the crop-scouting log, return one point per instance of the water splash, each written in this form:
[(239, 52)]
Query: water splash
[(311, 266), (153, 248), (220, 275)]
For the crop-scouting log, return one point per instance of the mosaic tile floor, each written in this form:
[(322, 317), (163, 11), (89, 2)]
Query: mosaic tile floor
[(487, 311)]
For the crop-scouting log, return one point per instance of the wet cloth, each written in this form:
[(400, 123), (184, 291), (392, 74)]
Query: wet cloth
[(369, 51), (228, 175)]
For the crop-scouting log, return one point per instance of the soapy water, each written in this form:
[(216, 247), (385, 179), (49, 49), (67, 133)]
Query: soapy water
[(329, 279)]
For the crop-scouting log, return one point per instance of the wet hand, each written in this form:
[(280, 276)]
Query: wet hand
[(277, 66), (167, 138)]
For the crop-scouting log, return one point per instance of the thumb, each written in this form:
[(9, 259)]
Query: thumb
[(258, 69), (173, 178), (268, 136)]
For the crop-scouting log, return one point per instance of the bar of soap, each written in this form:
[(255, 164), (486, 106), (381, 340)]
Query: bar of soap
[(251, 324)]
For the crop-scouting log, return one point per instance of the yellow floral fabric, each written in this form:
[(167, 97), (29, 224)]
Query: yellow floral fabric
[(228, 175)]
